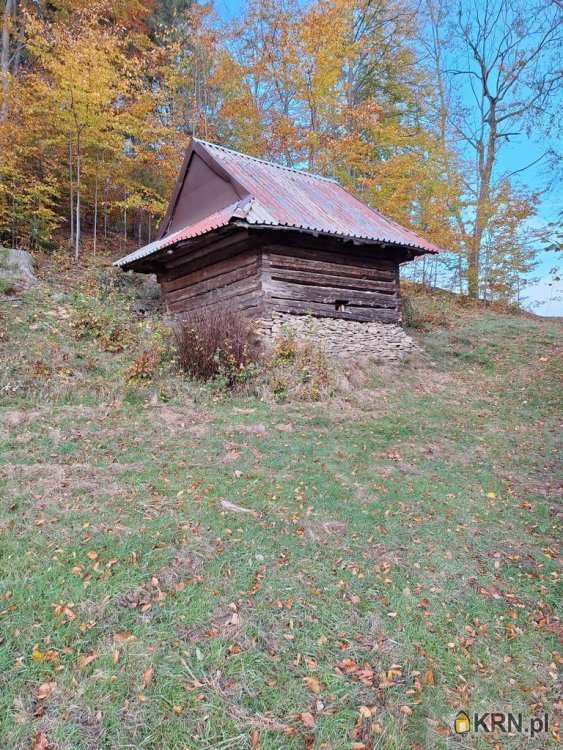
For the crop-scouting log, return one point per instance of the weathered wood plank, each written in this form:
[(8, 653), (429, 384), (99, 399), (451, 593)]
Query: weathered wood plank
[(223, 294), (216, 282), (365, 314), (348, 258), (359, 271), (200, 247), (251, 304), (211, 270), (314, 278), (213, 256), (329, 295)]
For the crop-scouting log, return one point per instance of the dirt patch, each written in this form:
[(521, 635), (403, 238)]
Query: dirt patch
[(225, 622), (381, 556), (537, 486), (174, 419), (69, 478), (322, 531), (186, 564), (16, 418), (250, 429), (231, 453)]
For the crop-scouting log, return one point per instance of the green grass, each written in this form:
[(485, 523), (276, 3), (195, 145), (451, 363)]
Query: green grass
[(401, 550)]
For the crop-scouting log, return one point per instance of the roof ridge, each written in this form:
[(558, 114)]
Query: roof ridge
[(301, 172)]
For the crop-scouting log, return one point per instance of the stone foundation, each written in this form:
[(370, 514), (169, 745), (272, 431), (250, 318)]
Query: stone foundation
[(382, 341)]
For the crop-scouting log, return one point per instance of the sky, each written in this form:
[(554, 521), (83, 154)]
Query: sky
[(543, 295)]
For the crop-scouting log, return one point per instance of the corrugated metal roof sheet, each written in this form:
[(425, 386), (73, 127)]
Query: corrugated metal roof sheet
[(279, 196), (306, 201), (214, 221)]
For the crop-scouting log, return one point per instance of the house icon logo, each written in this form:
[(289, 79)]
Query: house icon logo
[(462, 724)]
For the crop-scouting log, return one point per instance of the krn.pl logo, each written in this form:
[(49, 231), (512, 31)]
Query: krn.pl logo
[(462, 723)]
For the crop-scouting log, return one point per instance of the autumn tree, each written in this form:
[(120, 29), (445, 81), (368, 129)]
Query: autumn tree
[(503, 59), (85, 124)]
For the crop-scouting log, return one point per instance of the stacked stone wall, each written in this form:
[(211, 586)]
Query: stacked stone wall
[(339, 337)]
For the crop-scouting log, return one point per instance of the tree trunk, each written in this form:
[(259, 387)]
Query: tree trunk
[(19, 43), (486, 160), (77, 233), (5, 58), (71, 193), (106, 192), (14, 219), (95, 214)]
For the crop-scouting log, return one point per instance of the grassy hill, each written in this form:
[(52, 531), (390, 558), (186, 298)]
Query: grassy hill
[(188, 568)]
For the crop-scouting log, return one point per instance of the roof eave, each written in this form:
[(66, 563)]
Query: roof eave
[(357, 240), (158, 255)]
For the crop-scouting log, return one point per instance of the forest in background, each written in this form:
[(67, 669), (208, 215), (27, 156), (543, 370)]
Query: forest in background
[(409, 104)]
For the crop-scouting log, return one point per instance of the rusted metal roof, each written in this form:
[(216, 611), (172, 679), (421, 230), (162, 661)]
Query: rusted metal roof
[(272, 195), (214, 221)]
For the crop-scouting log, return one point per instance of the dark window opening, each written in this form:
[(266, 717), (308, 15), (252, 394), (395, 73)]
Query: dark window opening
[(340, 304)]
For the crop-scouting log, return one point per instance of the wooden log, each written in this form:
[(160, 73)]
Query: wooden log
[(359, 259), (221, 281), (250, 304), (223, 294), (200, 247), (317, 309), (359, 269), (329, 295), (190, 265), (314, 278), (209, 270)]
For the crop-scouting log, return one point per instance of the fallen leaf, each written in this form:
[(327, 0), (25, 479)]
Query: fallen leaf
[(348, 666), (38, 655), (148, 674), (312, 684), (254, 739), (44, 690), (428, 678), (86, 659), (40, 742), (92, 555), (307, 719), (406, 710)]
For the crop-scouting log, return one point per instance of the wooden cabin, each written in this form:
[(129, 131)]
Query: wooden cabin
[(269, 239)]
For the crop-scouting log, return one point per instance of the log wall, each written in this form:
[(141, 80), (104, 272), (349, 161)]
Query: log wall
[(263, 279), (214, 276), (350, 286)]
